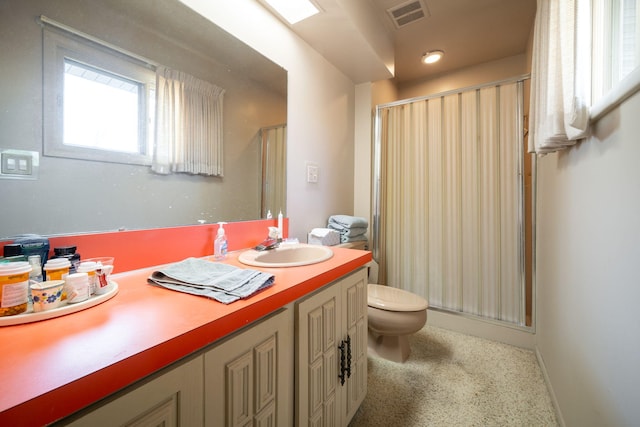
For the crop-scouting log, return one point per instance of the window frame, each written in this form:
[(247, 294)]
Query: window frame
[(607, 90), (58, 45)]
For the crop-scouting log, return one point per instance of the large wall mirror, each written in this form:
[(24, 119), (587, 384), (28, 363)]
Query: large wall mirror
[(78, 196)]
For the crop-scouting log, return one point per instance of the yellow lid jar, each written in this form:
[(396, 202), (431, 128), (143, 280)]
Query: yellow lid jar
[(56, 268), (14, 287)]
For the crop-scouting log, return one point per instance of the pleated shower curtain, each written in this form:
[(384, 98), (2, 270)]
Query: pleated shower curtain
[(274, 169), (450, 203)]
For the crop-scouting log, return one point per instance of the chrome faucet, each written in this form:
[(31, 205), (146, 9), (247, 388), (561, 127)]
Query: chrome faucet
[(271, 242)]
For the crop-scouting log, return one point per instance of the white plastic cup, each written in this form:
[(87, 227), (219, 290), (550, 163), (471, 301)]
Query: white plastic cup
[(47, 295), (103, 285), (98, 276), (77, 286)]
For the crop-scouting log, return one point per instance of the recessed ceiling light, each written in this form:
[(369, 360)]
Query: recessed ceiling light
[(433, 56), (293, 10)]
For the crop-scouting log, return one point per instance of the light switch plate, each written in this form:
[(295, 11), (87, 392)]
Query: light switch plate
[(313, 172), (19, 164)]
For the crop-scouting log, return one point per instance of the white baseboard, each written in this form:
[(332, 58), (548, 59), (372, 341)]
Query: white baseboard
[(483, 329), (552, 394)]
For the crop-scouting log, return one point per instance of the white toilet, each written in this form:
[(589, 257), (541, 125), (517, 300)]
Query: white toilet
[(394, 314)]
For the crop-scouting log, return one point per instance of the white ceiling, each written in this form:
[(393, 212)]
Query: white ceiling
[(359, 38)]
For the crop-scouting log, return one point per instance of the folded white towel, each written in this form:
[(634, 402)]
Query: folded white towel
[(321, 232), (323, 236)]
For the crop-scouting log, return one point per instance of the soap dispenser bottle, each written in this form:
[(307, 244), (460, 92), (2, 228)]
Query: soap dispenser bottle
[(220, 244)]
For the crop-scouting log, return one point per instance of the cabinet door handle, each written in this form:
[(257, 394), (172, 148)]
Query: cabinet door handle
[(343, 361), (348, 356)]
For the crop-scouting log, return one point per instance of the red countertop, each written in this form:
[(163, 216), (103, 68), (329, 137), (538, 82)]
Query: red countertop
[(52, 368)]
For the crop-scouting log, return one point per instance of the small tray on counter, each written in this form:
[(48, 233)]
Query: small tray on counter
[(31, 316)]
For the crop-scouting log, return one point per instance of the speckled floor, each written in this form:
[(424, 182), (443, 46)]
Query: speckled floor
[(451, 379)]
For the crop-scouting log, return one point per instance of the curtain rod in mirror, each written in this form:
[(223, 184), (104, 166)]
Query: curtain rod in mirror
[(44, 21)]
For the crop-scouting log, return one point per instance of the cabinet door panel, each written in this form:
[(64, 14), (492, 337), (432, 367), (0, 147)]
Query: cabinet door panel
[(329, 326), (314, 390), (165, 415), (266, 373), (331, 411), (330, 377), (172, 398), (267, 417), (239, 390), (317, 421), (248, 377), (352, 311), (354, 288), (314, 334), (317, 318), (334, 313)]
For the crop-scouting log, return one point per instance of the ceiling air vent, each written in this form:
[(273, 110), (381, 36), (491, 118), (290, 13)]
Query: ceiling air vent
[(405, 13)]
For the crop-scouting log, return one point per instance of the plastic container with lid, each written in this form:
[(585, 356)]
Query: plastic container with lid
[(33, 244), (58, 269), (68, 252), (12, 252), (12, 249), (36, 268), (55, 268), (14, 287), (90, 268)]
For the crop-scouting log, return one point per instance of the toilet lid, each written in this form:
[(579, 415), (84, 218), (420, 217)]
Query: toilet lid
[(394, 299)]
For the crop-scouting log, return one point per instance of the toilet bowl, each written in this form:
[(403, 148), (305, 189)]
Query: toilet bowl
[(393, 315)]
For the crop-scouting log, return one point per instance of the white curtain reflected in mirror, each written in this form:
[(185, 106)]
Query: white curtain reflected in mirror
[(274, 169)]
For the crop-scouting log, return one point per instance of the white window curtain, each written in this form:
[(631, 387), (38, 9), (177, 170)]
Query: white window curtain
[(189, 117), (560, 75)]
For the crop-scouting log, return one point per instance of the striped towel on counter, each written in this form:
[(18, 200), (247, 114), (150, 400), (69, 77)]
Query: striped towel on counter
[(222, 282)]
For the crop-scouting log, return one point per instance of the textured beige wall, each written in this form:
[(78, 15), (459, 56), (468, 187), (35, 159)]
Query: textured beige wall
[(320, 110), (588, 234)]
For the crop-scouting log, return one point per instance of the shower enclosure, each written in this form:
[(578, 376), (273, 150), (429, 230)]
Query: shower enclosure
[(449, 200), (273, 142)]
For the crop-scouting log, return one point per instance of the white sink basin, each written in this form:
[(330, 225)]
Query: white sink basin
[(287, 255)]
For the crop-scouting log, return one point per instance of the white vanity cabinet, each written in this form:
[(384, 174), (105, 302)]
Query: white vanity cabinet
[(304, 364), (171, 398), (249, 377), (331, 356)]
